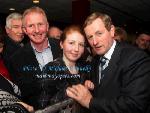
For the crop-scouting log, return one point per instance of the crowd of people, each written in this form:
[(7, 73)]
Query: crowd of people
[(91, 64)]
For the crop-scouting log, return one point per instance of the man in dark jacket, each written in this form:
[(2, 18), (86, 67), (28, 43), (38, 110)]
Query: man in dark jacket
[(28, 63), (120, 72), (15, 36)]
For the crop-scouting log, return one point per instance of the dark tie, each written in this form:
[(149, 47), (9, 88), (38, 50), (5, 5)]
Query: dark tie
[(102, 66)]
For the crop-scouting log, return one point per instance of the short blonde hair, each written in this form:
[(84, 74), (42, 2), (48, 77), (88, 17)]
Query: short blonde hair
[(104, 17), (34, 10)]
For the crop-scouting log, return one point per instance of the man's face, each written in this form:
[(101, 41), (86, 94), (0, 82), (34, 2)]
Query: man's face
[(143, 41), (36, 27), (54, 33), (15, 31), (99, 38)]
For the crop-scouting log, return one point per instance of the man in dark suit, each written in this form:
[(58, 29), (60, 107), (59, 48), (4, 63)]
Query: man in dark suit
[(15, 36), (123, 86), (28, 62)]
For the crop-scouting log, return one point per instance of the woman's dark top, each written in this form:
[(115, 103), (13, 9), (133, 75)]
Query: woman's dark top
[(55, 80)]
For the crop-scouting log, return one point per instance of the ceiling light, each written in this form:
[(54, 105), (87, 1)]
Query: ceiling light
[(36, 1), (12, 9)]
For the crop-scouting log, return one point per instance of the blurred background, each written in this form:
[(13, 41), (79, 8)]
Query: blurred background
[(132, 15)]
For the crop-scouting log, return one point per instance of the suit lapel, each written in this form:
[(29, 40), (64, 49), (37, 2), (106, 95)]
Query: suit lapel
[(95, 71), (109, 72), (31, 56), (55, 48)]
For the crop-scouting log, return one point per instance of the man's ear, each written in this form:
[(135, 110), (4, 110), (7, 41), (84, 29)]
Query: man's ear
[(7, 30), (112, 30), (136, 41), (24, 30), (47, 26)]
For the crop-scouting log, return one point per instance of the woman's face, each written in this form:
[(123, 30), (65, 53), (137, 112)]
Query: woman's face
[(73, 46)]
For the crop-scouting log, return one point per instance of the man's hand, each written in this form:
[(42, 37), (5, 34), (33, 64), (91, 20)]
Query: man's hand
[(80, 93)]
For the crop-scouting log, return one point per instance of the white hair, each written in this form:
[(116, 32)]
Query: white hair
[(12, 16)]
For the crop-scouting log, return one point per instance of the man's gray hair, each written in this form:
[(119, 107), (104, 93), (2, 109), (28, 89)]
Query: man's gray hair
[(12, 16)]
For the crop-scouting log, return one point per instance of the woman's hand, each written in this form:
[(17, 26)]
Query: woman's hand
[(80, 93), (28, 107), (89, 84)]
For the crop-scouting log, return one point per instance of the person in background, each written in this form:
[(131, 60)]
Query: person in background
[(15, 36), (67, 70), (28, 63), (143, 42), (120, 72), (54, 32), (120, 34)]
